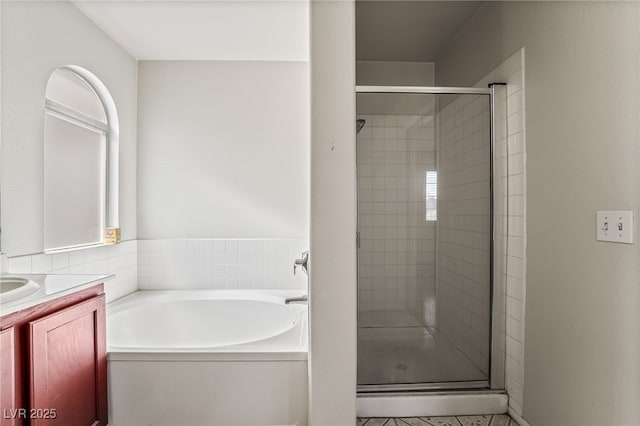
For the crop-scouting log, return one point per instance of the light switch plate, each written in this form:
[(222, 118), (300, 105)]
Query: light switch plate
[(615, 226)]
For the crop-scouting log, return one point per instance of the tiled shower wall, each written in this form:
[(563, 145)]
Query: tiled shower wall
[(464, 219), (511, 163), (120, 259), (396, 259), (516, 228), (510, 205), (181, 264)]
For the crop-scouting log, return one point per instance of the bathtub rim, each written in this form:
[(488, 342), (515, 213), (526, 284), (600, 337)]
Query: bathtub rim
[(249, 294), (252, 351)]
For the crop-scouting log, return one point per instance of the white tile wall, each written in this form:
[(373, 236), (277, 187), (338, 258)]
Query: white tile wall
[(516, 264), (463, 247), (514, 166), (174, 264), (120, 259), (396, 272)]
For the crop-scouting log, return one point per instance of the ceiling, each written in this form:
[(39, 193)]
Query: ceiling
[(278, 30), (206, 29), (411, 31)]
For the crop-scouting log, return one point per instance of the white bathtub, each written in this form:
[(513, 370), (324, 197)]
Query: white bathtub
[(207, 357), (209, 320)]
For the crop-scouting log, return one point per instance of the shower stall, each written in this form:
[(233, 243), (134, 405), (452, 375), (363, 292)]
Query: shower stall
[(430, 303)]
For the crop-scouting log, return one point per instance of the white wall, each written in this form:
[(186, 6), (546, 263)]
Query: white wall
[(38, 37), (389, 73), (223, 149), (582, 339), (332, 299)]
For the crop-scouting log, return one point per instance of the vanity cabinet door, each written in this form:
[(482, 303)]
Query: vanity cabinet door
[(8, 378), (68, 365)]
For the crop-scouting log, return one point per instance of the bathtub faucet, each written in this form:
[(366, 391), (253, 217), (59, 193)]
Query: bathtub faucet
[(303, 298), (302, 262)]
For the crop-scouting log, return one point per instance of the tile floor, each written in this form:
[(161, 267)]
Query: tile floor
[(495, 420)]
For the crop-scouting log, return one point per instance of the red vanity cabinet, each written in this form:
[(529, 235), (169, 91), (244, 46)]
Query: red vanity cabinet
[(59, 371), (7, 374)]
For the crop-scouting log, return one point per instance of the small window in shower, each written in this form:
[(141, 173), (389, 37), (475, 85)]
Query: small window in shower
[(431, 195)]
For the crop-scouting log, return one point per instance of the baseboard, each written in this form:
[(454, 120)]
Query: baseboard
[(517, 417)]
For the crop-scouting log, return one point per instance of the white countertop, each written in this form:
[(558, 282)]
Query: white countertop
[(51, 287)]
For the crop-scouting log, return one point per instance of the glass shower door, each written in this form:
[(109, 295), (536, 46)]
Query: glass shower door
[(424, 252)]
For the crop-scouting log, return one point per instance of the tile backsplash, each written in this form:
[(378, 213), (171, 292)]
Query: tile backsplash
[(176, 264), (220, 264), (120, 259)]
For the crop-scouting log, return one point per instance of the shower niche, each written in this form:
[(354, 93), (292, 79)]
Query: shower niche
[(425, 239)]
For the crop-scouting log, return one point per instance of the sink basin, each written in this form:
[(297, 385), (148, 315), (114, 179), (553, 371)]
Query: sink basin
[(13, 288)]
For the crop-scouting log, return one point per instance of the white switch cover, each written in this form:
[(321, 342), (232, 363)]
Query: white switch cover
[(615, 226)]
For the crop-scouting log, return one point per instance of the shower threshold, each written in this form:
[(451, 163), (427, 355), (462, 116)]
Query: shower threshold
[(442, 403), (424, 387)]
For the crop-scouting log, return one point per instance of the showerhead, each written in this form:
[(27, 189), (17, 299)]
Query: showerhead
[(360, 122)]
